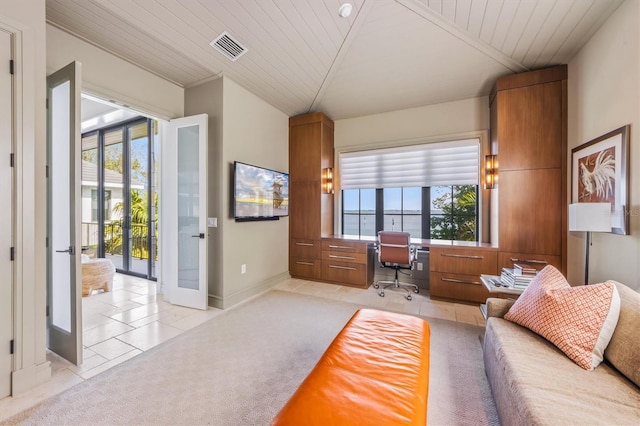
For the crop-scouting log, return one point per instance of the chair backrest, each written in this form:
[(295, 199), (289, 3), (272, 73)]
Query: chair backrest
[(394, 247)]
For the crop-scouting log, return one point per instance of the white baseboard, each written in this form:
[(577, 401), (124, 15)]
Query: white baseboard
[(242, 295)]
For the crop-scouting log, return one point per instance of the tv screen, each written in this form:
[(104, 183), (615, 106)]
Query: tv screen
[(259, 193)]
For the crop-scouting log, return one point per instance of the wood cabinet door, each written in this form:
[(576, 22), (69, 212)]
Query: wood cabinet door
[(529, 121), (305, 152), (304, 210), (530, 205)]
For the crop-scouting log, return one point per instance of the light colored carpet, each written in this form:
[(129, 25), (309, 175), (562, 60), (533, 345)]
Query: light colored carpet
[(242, 366)]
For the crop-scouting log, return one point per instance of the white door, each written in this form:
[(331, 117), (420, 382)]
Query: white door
[(185, 195), (6, 216), (64, 280)]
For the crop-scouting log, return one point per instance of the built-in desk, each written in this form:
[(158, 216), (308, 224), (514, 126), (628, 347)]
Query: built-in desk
[(454, 266)]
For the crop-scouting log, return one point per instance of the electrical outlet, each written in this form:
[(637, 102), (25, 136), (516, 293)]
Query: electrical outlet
[(419, 266), (243, 268)]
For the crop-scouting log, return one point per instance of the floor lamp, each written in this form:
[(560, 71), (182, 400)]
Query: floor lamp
[(589, 217)]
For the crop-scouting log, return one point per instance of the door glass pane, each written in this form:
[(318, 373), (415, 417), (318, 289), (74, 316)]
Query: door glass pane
[(60, 208), (368, 212), (154, 198), (139, 161), (188, 207), (392, 209), (90, 195), (412, 211), (114, 183)]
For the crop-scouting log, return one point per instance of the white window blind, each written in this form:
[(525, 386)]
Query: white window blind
[(433, 164)]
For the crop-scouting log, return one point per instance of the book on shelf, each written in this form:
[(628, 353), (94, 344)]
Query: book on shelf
[(511, 279), (520, 269)]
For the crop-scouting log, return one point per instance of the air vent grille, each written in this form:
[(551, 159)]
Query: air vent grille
[(229, 47)]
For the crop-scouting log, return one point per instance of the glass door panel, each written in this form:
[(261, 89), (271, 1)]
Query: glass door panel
[(188, 208), (114, 185), (139, 190), (90, 192)]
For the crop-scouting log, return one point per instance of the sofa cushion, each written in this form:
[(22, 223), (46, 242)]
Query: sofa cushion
[(623, 351), (578, 320)]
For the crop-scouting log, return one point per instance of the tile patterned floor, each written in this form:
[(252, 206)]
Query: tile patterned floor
[(133, 318)]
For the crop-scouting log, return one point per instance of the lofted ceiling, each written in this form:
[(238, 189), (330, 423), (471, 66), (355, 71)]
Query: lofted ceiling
[(388, 55)]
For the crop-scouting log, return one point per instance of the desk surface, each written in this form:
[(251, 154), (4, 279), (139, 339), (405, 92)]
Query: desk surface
[(421, 242)]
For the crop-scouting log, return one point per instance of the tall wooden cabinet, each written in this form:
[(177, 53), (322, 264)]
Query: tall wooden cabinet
[(310, 208), (529, 135)]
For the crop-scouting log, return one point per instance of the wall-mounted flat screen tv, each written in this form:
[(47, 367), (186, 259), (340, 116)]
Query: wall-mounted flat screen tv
[(259, 193)]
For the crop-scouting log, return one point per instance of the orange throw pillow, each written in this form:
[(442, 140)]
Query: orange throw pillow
[(578, 320)]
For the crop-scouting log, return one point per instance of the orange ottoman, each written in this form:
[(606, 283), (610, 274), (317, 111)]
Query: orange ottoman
[(375, 372)]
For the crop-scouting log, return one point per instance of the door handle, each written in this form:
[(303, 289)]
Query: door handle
[(70, 250), (200, 235)]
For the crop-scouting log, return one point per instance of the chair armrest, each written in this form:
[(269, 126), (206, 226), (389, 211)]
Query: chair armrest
[(497, 308)]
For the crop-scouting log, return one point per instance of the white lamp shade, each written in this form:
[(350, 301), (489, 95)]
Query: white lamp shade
[(591, 217)]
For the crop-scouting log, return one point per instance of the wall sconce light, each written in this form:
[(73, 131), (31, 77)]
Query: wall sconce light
[(490, 171), (327, 180)]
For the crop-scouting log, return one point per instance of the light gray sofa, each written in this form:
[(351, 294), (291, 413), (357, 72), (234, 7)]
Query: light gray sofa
[(534, 383)]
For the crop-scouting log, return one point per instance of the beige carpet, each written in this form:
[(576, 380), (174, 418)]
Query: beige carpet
[(241, 367)]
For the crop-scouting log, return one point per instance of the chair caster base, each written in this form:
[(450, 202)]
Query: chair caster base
[(381, 294), (416, 291), (409, 297), (376, 285)]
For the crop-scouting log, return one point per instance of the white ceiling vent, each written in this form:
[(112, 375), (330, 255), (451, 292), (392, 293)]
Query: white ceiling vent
[(229, 47)]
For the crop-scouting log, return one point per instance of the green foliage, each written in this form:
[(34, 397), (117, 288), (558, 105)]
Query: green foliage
[(139, 227), (458, 221)]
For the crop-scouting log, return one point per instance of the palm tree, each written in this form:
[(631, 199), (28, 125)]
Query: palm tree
[(139, 226)]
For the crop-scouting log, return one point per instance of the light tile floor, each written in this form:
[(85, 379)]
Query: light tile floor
[(132, 318)]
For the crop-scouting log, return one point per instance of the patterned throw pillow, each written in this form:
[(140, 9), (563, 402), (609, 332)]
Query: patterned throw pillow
[(578, 320)]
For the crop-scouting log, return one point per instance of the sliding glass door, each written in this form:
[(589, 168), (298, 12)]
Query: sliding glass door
[(119, 198)]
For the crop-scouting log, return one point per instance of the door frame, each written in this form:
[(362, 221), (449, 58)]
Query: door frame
[(7, 239)]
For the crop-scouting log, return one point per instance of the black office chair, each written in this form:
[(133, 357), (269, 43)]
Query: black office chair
[(395, 251)]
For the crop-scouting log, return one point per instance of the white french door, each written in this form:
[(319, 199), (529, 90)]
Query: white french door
[(6, 218), (64, 300), (184, 192)]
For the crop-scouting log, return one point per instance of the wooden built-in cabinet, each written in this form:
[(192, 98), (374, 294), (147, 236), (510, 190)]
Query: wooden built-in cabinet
[(345, 262), (529, 135), (310, 208), (454, 273)]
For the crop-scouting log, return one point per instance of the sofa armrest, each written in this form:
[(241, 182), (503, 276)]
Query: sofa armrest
[(498, 307)]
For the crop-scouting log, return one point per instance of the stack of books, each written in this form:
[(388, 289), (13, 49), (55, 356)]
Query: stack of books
[(520, 276)]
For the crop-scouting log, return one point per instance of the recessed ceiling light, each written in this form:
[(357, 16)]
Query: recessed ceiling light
[(345, 10)]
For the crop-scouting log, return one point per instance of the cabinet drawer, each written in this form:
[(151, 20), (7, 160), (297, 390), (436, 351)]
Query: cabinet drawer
[(344, 256), (466, 288), (344, 245), (345, 273), (305, 248), (537, 261), (305, 268), (463, 261)]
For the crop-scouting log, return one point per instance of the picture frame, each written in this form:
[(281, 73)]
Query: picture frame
[(600, 173)]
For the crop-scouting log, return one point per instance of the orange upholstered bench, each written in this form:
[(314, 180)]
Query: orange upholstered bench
[(375, 372)]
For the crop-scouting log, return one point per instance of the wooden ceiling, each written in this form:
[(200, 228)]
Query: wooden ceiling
[(388, 55)]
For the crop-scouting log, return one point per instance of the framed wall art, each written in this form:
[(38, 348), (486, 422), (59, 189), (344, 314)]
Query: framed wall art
[(600, 174)]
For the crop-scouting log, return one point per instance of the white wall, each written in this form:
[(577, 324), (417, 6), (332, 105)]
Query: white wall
[(242, 127), (604, 94), (26, 19), (109, 77)]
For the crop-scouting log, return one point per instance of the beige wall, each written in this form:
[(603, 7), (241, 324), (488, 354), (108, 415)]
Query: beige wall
[(450, 118), (245, 129), (604, 94), (109, 77), (26, 19)]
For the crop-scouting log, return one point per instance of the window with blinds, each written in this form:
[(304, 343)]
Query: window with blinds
[(429, 190)]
